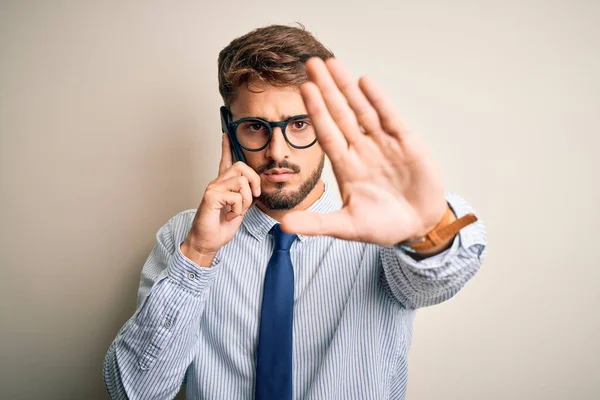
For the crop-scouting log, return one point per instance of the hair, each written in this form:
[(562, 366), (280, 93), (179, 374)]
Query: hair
[(274, 54)]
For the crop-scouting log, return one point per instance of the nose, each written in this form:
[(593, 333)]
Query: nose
[(278, 148)]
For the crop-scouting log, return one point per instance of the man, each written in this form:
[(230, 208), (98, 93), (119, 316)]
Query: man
[(273, 290)]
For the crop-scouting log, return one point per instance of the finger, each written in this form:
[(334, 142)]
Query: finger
[(337, 224), (328, 134), (241, 185), (243, 169), (389, 120), (226, 157), (337, 105), (232, 199), (218, 198), (365, 114), (231, 216)]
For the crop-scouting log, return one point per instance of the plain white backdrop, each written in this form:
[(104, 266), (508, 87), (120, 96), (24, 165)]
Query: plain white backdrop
[(109, 125)]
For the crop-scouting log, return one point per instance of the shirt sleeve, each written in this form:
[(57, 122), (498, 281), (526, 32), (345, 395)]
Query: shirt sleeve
[(436, 279), (149, 357)]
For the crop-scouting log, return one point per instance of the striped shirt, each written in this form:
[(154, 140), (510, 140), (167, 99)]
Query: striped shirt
[(354, 306)]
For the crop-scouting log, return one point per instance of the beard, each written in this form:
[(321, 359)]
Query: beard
[(286, 200)]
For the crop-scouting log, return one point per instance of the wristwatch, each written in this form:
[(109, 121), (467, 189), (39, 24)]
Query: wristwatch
[(441, 233)]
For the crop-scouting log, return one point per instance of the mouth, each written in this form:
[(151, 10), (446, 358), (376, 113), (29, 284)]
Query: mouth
[(278, 175)]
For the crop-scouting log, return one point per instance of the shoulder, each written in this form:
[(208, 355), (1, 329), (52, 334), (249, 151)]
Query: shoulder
[(183, 217), (178, 226)]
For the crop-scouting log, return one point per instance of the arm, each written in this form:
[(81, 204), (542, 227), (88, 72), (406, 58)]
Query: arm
[(435, 279), (391, 188), (152, 351)]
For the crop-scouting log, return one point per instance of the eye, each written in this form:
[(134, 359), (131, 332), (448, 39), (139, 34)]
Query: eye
[(253, 127), (299, 125)]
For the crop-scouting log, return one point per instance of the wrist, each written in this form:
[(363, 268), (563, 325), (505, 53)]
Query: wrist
[(200, 258), (440, 237), (448, 218)]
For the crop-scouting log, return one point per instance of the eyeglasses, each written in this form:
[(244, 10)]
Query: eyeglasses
[(254, 134)]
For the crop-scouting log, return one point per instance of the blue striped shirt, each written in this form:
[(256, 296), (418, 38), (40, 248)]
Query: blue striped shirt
[(354, 306)]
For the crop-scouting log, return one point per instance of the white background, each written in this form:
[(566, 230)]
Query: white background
[(109, 126)]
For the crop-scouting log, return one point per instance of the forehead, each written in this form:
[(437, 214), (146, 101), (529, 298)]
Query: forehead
[(267, 102)]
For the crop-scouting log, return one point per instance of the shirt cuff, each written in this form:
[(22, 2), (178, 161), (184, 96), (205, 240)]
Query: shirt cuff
[(191, 276), (472, 234), (465, 238), (433, 261)]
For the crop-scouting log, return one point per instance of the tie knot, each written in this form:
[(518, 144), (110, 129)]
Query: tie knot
[(283, 241)]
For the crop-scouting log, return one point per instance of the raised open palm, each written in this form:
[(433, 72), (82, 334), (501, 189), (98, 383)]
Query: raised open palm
[(390, 186)]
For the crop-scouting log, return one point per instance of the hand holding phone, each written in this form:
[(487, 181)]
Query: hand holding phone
[(220, 213)]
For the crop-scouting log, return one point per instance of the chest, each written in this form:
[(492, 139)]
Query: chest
[(328, 274)]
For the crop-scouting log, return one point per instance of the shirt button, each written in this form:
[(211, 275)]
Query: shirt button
[(192, 276), (167, 324)]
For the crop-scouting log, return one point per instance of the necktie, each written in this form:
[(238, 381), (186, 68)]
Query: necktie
[(274, 354)]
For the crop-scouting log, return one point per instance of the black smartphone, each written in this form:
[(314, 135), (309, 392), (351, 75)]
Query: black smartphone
[(236, 150)]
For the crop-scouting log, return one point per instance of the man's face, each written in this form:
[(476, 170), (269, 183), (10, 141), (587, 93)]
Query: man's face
[(276, 104)]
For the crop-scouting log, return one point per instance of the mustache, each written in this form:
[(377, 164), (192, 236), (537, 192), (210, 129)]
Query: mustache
[(283, 164)]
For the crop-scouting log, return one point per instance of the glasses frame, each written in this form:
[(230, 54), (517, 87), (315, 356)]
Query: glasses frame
[(281, 124)]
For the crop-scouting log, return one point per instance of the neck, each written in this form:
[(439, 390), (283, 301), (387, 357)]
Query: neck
[(312, 197)]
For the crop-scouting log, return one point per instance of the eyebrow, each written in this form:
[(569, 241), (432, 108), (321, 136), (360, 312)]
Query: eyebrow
[(285, 117)]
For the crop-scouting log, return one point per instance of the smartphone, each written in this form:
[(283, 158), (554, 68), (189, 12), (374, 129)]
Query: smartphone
[(236, 150)]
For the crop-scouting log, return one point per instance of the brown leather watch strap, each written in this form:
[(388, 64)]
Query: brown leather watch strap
[(442, 232)]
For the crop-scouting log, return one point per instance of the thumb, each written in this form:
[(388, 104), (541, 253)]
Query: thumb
[(337, 224)]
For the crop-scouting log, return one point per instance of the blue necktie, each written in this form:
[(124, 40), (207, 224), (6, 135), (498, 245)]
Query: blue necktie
[(274, 354)]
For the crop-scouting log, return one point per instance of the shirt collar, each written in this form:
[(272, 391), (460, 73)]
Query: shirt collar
[(259, 224)]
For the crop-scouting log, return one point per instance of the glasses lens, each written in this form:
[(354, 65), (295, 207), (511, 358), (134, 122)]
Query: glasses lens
[(252, 134), (300, 131)]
